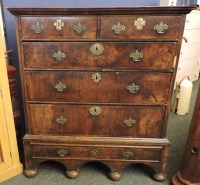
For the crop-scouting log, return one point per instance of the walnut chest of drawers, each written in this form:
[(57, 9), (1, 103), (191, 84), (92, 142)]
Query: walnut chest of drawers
[(97, 85)]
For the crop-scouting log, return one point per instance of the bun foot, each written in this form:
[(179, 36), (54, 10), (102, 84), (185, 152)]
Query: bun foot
[(30, 173), (72, 174), (115, 176), (160, 177)]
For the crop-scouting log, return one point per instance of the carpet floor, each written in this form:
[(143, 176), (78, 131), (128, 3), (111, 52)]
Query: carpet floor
[(51, 173)]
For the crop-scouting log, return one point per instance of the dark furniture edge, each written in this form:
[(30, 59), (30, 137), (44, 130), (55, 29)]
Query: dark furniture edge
[(103, 11)]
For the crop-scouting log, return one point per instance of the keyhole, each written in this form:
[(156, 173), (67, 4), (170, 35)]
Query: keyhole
[(194, 150), (95, 110), (96, 48), (96, 78)]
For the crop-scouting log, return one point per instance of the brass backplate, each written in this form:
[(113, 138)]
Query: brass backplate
[(59, 23), (161, 28), (96, 49), (95, 110), (79, 28), (38, 27)]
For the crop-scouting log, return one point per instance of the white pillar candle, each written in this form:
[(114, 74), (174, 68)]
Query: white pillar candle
[(184, 97)]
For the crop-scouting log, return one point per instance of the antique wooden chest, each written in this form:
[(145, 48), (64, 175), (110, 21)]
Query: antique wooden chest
[(97, 85)]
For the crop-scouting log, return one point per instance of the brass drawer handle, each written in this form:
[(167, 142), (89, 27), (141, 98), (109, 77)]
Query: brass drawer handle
[(37, 28), (94, 153), (59, 56), (96, 49), (61, 120), (118, 28), (133, 88), (161, 28), (127, 154), (79, 28), (95, 110), (60, 87), (136, 56), (129, 122), (59, 23), (139, 23), (96, 77), (63, 152)]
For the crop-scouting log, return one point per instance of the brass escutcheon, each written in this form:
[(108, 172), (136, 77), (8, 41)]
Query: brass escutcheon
[(129, 122), (133, 88), (37, 28), (96, 49), (161, 28), (118, 28), (59, 56), (96, 77), (94, 153), (95, 110), (59, 23), (60, 87), (61, 120), (139, 23), (136, 56), (79, 28), (127, 154), (62, 152)]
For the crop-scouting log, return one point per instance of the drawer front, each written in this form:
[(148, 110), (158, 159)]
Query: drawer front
[(96, 152), (140, 27), (103, 87), (72, 27), (80, 55), (101, 120)]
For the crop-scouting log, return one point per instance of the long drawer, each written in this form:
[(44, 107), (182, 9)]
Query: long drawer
[(140, 27), (100, 55), (53, 151), (71, 27), (103, 87), (91, 120)]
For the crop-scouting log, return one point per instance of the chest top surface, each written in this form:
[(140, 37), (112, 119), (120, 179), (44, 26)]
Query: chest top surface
[(103, 10)]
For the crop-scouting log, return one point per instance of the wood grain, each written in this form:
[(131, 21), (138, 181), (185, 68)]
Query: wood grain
[(190, 169), (156, 56), (66, 32), (147, 32), (153, 87), (148, 120), (149, 106)]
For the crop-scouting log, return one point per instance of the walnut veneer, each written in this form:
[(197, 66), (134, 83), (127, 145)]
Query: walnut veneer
[(97, 85)]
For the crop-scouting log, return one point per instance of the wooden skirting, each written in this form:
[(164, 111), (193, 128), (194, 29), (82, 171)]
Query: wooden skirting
[(16, 169)]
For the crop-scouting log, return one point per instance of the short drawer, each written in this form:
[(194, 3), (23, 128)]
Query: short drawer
[(142, 153), (101, 55), (71, 27), (104, 87), (101, 120), (140, 27)]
